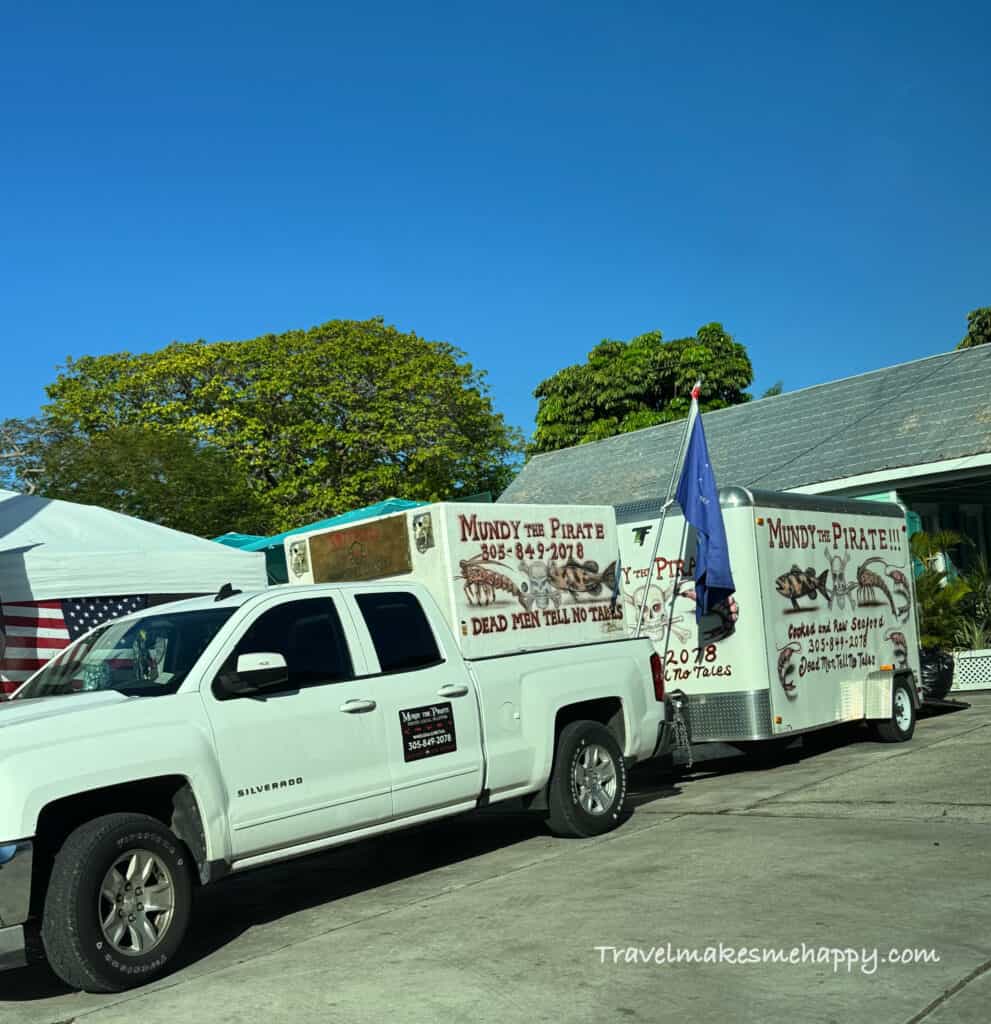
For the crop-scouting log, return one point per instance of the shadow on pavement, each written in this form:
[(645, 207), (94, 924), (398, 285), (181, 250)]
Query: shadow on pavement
[(225, 911), (242, 902), (652, 781), (936, 708)]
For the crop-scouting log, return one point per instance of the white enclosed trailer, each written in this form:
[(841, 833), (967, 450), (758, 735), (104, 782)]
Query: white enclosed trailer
[(508, 578), (821, 629)]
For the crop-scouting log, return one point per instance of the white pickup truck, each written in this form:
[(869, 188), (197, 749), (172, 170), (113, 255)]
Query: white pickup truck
[(175, 746)]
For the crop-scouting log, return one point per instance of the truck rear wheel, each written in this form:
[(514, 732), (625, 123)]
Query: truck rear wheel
[(901, 725), (118, 903), (587, 790)]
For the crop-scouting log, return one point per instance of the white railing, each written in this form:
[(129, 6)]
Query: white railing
[(972, 670)]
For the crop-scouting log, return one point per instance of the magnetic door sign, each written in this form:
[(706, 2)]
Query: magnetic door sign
[(427, 731), (366, 551)]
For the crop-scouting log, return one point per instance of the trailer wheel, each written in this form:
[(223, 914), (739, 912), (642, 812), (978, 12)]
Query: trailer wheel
[(118, 903), (901, 725), (587, 790)]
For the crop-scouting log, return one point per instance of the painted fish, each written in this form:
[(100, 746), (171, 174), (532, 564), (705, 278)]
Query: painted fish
[(581, 577), (802, 583)]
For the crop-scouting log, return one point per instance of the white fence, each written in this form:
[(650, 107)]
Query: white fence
[(972, 670)]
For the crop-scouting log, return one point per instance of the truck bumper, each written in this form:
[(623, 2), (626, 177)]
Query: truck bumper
[(16, 860)]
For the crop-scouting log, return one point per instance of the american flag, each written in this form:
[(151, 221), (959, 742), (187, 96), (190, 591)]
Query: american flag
[(33, 632)]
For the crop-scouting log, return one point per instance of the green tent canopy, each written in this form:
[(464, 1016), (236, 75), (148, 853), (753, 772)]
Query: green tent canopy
[(274, 548)]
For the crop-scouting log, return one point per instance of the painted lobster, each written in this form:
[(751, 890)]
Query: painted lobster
[(481, 582), (902, 589), (899, 647), (868, 582)]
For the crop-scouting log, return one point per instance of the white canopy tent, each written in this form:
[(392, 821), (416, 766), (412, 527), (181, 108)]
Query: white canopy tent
[(57, 550)]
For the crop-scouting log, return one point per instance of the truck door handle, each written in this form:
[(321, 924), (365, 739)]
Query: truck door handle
[(358, 706), (452, 690)]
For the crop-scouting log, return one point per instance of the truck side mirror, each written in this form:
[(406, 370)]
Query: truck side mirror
[(253, 674), (262, 671)]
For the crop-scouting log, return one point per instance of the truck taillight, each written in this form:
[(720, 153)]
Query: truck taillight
[(657, 674)]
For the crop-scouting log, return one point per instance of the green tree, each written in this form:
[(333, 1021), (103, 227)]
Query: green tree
[(157, 475), (978, 328), (319, 421), (626, 386), (774, 390), (20, 446)]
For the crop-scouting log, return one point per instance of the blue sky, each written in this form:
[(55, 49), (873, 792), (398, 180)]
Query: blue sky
[(519, 179)]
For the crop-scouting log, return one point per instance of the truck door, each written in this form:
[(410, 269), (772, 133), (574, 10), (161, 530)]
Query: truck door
[(308, 760), (422, 686)]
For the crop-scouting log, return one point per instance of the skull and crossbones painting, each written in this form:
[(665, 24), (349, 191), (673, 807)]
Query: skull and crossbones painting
[(423, 532), (299, 561)]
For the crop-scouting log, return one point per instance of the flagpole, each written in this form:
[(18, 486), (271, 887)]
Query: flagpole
[(668, 501)]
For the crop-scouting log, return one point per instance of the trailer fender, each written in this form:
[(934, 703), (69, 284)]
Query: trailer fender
[(878, 694)]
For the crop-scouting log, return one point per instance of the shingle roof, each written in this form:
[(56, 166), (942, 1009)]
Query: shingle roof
[(922, 411)]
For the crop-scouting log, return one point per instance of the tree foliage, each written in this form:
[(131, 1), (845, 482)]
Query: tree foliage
[(939, 598), (317, 421), (20, 442), (975, 631), (161, 476), (626, 386), (978, 328)]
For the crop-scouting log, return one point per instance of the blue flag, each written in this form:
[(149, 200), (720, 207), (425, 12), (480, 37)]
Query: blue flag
[(699, 500)]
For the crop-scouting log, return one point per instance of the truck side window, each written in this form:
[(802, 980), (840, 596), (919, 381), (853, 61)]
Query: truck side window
[(308, 634), (400, 631)]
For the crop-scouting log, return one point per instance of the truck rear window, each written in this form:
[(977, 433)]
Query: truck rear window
[(400, 631)]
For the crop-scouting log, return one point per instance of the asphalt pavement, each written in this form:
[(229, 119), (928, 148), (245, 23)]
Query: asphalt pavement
[(836, 856)]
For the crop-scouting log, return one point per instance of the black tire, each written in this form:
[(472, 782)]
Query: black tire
[(895, 729), (568, 817), (75, 944)]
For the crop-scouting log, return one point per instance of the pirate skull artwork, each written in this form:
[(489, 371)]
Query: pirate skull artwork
[(423, 532), (299, 561), (538, 591)]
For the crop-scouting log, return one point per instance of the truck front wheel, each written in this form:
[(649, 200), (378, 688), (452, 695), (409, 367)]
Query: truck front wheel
[(118, 903), (587, 790), (901, 725)]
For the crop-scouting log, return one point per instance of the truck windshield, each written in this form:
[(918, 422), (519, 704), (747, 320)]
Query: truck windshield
[(141, 657)]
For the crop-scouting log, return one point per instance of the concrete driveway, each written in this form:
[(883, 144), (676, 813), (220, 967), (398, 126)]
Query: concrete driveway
[(857, 846)]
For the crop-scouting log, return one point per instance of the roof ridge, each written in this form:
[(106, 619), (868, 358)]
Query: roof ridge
[(954, 352), (787, 394)]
